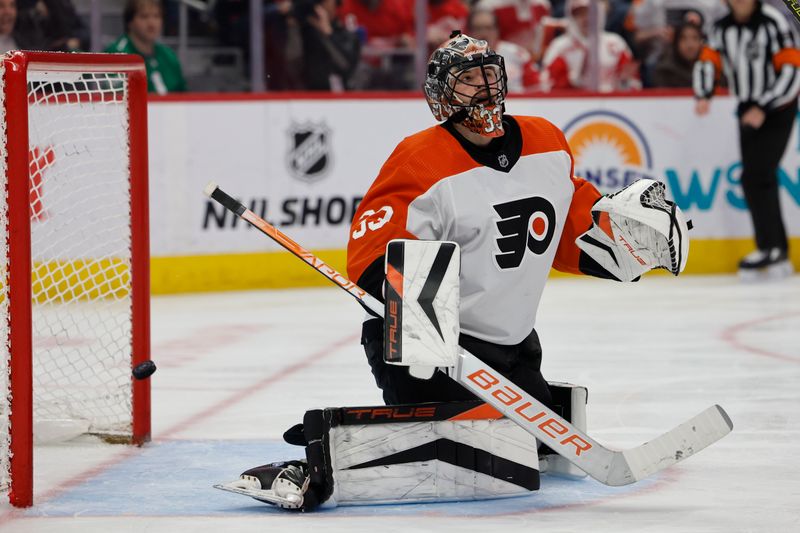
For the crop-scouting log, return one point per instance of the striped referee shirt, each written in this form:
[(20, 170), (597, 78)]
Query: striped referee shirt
[(760, 59)]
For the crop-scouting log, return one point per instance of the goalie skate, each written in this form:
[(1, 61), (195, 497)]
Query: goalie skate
[(281, 484)]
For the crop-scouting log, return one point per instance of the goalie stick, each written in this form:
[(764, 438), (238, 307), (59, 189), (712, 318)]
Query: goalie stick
[(610, 467)]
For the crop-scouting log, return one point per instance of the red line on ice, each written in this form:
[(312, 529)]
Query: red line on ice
[(730, 335), (256, 387)]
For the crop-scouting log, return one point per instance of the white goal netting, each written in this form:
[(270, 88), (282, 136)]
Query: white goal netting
[(80, 213)]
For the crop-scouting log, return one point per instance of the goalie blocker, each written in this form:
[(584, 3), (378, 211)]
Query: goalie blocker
[(431, 452)]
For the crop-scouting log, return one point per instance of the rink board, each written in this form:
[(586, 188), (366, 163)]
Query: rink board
[(276, 270), (304, 163)]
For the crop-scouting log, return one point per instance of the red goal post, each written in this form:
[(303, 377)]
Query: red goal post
[(74, 291)]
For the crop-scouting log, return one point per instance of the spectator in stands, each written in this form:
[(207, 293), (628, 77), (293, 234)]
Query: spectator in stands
[(16, 32), (565, 63), (8, 19), (522, 22), (143, 24), (62, 29), (444, 16), (674, 69), (650, 14), (385, 23), (523, 75), (330, 53), (619, 20), (653, 24), (283, 46), (387, 28)]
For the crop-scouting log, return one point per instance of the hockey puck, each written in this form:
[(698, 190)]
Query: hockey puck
[(144, 370)]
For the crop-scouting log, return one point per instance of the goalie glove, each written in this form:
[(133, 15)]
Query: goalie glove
[(635, 230)]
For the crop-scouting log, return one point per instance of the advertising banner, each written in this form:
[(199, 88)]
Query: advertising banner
[(302, 165), (305, 164), (618, 140)]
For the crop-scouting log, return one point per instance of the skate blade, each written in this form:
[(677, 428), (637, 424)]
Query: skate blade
[(264, 496), (258, 494), (781, 270)]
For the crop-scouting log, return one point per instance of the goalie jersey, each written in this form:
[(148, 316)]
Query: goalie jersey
[(514, 207)]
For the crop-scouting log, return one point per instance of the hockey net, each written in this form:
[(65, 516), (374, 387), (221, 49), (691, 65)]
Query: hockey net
[(74, 315)]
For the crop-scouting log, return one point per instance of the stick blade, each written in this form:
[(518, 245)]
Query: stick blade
[(672, 447)]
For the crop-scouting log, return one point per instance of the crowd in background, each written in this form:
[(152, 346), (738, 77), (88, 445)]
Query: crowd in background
[(369, 44), (338, 45), (41, 25)]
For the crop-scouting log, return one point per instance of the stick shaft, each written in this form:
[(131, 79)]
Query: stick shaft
[(230, 203)]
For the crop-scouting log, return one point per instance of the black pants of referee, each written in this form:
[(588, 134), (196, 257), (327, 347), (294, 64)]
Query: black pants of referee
[(762, 150)]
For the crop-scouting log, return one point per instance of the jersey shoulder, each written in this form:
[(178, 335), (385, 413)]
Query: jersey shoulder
[(557, 47), (615, 40), (539, 135), (122, 45), (167, 54), (427, 157)]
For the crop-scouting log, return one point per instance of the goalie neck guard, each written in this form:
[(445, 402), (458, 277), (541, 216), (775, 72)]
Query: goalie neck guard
[(466, 82)]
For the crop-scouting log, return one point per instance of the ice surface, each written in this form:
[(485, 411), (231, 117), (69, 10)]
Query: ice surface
[(237, 369)]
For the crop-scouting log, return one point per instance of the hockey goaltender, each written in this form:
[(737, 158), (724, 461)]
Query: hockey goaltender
[(501, 188)]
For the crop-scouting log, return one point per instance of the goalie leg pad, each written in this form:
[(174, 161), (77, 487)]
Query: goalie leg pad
[(417, 453), (570, 401)]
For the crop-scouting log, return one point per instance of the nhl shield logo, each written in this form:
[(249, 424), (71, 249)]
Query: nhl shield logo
[(309, 157)]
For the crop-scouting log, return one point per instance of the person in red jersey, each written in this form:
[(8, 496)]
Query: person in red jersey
[(565, 62), (522, 22), (523, 74), (385, 22)]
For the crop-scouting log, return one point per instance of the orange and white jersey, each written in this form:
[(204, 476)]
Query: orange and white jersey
[(515, 210), (565, 64)]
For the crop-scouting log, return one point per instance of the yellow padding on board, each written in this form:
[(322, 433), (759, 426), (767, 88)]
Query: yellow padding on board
[(721, 256), (269, 270), (277, 270), (80, 279), (60, 281)]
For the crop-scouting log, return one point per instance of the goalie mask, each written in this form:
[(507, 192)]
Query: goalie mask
[(466, 82)]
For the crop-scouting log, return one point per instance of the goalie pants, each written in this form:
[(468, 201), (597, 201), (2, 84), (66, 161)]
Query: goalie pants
[(521, 363), (762, 150)]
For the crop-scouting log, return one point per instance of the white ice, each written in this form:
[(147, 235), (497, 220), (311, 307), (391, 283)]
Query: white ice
[(237, 369)]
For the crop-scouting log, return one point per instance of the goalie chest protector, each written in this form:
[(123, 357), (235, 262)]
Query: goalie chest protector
[(508, 220)]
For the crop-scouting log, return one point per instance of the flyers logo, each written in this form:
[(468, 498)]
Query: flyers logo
[(527, 223), (372, 220)]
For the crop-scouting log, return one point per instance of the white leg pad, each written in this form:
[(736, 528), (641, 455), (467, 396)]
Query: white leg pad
[(432, 461)]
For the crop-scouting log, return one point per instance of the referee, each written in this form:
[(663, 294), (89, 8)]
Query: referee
[(757, 49)]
